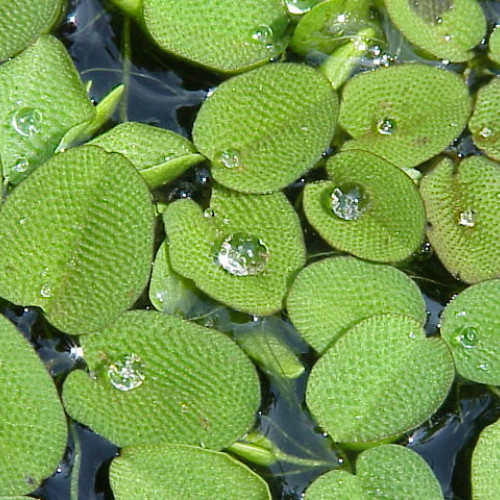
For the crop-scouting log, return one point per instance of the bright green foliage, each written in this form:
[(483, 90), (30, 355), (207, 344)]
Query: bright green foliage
[(330, 25), (132, 8), (406, 113), (470, 324), (82, 224), (331, 296), (369, 208), (34, 116), (388, 472), (168, 291), (447, 29), (157, 379), (494, 46), (462, 206), (29, 407), (485, 468), (242, 251), (485, 121), (22, 21), (336, 484), (392, 472), (265, 128), (222, 35), (381, 378), (160, 155), (176, 471)]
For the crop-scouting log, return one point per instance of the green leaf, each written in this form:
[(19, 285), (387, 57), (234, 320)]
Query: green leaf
[(485, 466), (34, 116), (22, 21), (89, 216), (485, 122), (447, 29), (392, 472), (331, 296), (369, 208), (470, 324), (160, 155), (336, 484), (494, 45), (155, 379), (381, 378), (462, 206), (265, 128), (29, 407), (221, 35), (176, 471), (406, 113), (242, 251)]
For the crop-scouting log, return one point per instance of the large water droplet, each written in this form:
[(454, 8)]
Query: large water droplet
[(229, 158), (126, 373), (27, 121), (298, 7), (348, 201), (263, 35), (242, 254), (386, 126), (467, 218), (467, 337)]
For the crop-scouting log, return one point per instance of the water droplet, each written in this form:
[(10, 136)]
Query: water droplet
[(45, 291), (184, 407), (348, 201), (22, 220), (126, 373), (21, 165), (263, 35), (242, 254), (26, 121), (467, 337), (448, 38), (208, 213), (298, 7), (386, 126), (486, 132), (438, 20), (483, 367), (467, 218), (460, 314), (229, 158)]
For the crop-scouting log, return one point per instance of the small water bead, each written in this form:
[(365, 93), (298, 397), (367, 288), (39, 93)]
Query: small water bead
[(299, 7), (467, 218), (229, 158), (242, 254), (448, 38), (486, 132), (349, 201), (126, 373), (21, 165), (467, 337), (208, 213), (45, 291), (26, 121), (386, 126)]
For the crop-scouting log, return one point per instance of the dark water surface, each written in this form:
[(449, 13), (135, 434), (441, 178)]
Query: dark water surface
[(167, 93)]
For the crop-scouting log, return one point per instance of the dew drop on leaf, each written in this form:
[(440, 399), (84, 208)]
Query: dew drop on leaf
[(298, 7), (229, 158), (21, 165), (126, 373), (45, 291), (467, 218), (467, 337), (348, 201), (263, 35), (26, 121), (242, 254), (386, 126)]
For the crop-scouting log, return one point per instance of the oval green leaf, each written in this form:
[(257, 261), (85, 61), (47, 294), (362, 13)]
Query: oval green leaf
[(462, 206), (242, 251), (336, 484), (470, 324), (83, 230), (265, 128), (447, 29), (331, 296), (160, 155), (369, 208), (35, 114), (381, 378), (22, 21), (494, 45), (406, 113), (221, 35), (485, 465), (177, 471), (155, 378), (29, 406), (485, 121)]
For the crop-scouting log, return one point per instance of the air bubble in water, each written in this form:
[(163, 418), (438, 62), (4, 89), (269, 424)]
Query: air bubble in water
[(241, 254), (348, 201), (126, 373), (26, 121), (467, 218)]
